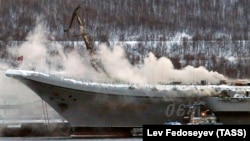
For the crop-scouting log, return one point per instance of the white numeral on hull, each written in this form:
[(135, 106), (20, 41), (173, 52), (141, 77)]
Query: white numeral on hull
[(174, 109)]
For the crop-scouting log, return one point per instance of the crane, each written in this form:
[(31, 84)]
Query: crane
[(95, 63)]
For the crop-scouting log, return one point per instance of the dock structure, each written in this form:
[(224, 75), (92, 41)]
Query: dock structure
[(20, 120), (31, 119)]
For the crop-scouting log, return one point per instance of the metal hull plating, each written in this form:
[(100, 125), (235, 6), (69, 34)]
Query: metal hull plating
[(97, 106), (218, 104), (230, 110), (89, 109)]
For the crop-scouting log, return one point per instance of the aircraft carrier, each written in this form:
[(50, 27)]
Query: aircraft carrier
[(91, 104)]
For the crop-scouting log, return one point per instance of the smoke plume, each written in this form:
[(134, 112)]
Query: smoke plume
[(41, 54), (44, 55), (153, 70)]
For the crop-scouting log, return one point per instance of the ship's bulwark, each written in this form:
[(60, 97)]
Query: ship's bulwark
[(92, 106)]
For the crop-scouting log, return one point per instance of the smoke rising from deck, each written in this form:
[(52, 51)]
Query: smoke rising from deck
[(44, 55), (41, 54), (153, 70)]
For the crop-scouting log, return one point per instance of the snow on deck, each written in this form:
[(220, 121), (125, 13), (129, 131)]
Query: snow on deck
[(25, 73)]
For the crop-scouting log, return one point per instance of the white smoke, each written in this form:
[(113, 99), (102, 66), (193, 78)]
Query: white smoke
[(37, 55), (41, 54), (153, 70)]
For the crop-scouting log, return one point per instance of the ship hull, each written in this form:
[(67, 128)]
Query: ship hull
[(101, 105), (88, 109), (230, 110), (93, 106)]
